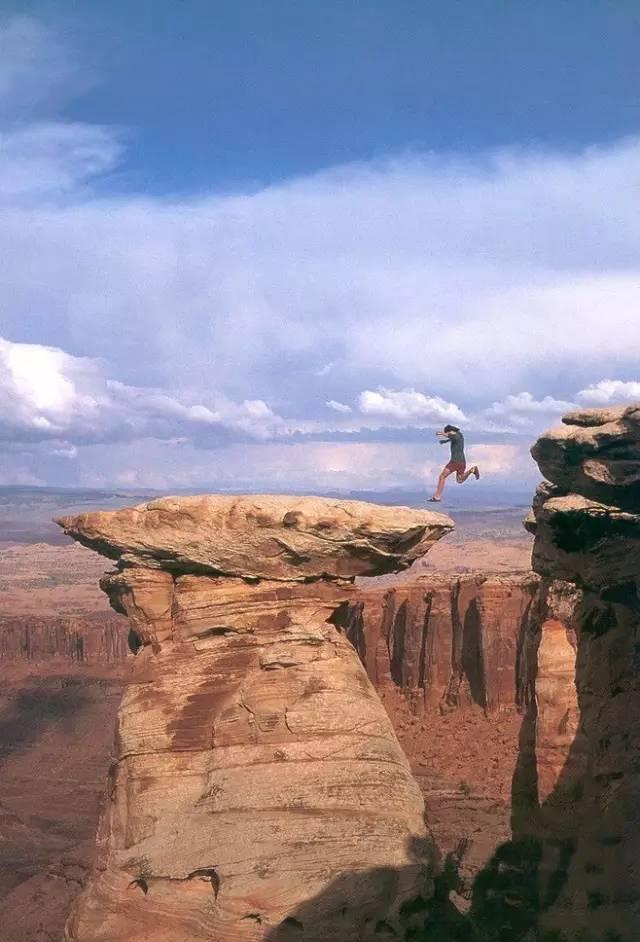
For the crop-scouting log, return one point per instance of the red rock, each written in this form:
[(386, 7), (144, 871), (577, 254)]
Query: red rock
[(449, 641), (91, 639), (262, 536)]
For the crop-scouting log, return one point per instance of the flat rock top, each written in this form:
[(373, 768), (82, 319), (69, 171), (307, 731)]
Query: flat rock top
[(587, 432), (590, 418), (262, 536)]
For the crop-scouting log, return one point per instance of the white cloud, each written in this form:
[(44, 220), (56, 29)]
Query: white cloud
[(339, 406), (523, 413), (501, 460), (309, 466), (19, 475), (610, 391), (65, 451), (34, 66), (45, 160), (48, 395), (41, 158), (525, 403), (418, 272), (408, 405)]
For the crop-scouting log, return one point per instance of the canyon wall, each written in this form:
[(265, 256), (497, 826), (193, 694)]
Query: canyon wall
[(462, 750), (62, 682), (446, 641), (100, 638), (258, 790), (577, 787), (448, 655)]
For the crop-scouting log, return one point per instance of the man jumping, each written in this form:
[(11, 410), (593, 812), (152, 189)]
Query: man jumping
[(457, 463)]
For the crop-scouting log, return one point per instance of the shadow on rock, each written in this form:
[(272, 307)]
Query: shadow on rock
[(526, 876), (33, 710), (363, 906)]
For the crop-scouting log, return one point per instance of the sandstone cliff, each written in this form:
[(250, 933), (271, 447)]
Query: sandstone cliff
[(258, 791), (577, 791), (446, 641), (462, 751)]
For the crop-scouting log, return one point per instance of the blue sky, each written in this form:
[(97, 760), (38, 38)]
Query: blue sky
[(214, 94), (270, 245)]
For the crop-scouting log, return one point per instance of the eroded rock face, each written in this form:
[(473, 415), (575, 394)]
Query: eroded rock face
[(595, 454), (446, 641), (56, 722), (258, 791), (587, 743), (99, 638), (555, 700), (584, 541)]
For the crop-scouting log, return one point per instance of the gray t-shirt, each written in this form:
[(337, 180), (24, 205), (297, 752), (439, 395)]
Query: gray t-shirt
[(457, 447)]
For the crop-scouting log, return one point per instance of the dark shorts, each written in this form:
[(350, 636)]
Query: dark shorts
[(458, 467)]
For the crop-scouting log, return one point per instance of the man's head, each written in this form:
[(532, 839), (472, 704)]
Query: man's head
[(451, 428)]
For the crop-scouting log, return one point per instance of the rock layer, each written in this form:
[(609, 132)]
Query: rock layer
[(257, 776), (584, 541), (586, 744)]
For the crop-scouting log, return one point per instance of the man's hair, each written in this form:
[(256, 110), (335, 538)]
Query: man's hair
[(451, 428)]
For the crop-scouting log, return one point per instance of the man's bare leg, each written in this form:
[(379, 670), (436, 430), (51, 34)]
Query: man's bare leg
[(444, 474), (461, 478)]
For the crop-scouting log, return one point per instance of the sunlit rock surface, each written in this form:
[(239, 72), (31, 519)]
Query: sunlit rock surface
[(263, 537), (595, 454)]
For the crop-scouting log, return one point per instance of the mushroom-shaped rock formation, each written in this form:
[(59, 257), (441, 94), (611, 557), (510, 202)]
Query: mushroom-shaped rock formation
[(587, 531), (262, 537), (258, 790)]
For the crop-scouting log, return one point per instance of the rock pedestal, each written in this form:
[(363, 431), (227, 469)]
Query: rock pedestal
[(259, 791)]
